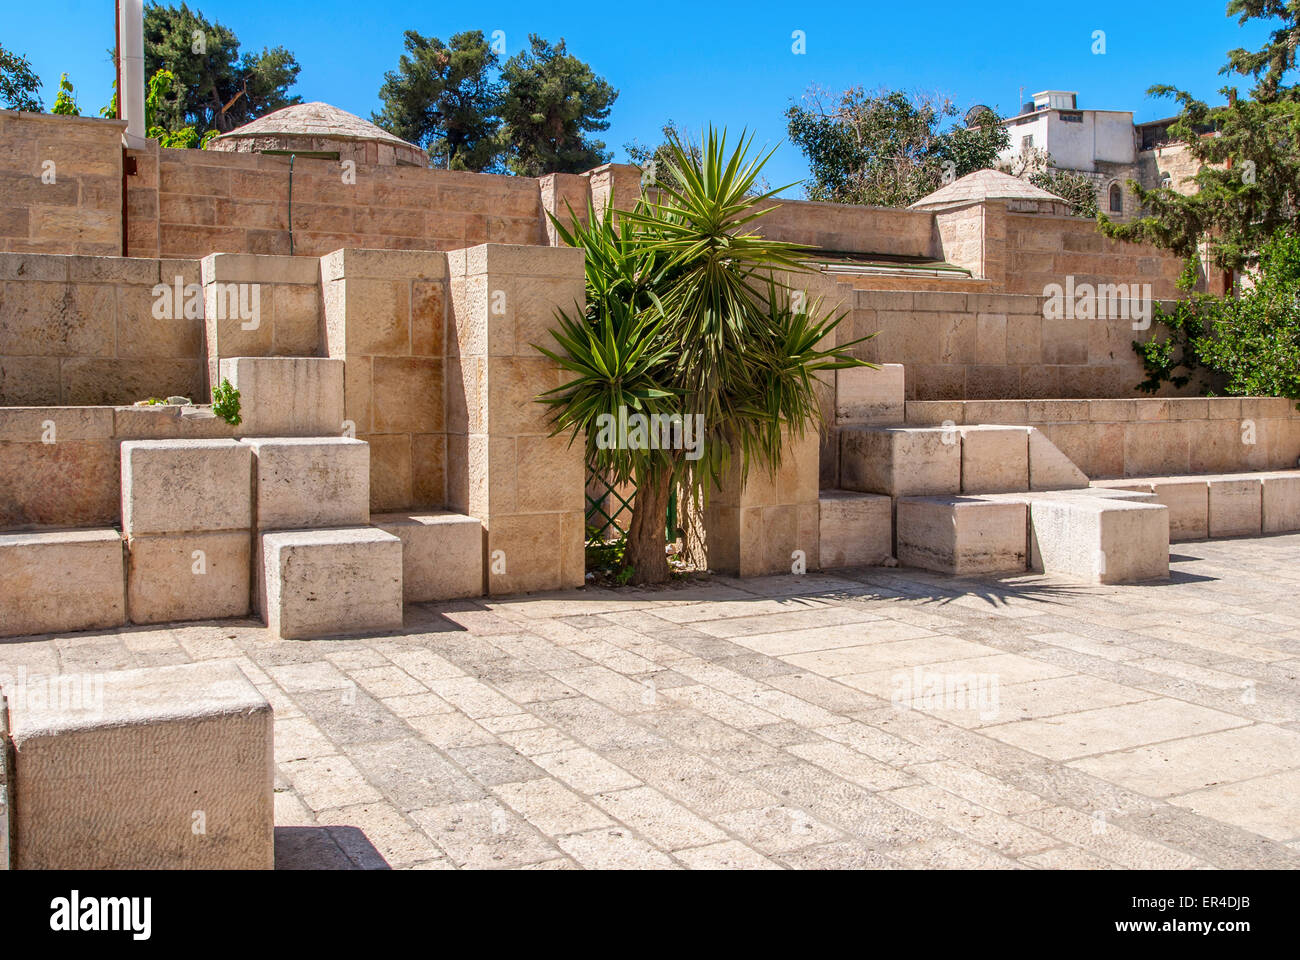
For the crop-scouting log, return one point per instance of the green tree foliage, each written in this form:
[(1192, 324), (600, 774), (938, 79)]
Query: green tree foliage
[(1248, 184), (1245, 345), (685, 267), (66, 101), (18, 83), (1036, 166), (443, 97), (551, 103), (215, 86), (888, 149)]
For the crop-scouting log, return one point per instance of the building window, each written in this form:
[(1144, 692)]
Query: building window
[(1116, 199), (1072, 116), (1026, 143)]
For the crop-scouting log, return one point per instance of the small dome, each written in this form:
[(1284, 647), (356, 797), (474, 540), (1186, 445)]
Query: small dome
[(986, 185), (321, 129)]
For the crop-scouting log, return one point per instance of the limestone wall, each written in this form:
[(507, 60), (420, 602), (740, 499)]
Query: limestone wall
[(60, 184), (81, 330), (1145, 436)]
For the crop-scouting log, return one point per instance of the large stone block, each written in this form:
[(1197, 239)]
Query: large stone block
[(331, 582), (961, 535), (1281, 507), (1049, 468), (994, 459), (177, 486), (123, 774), (442, 554), (1099, 539), (188, 576), (1188, 500), (61, 580), (287, 396), (302, 482), (901, 461), (867, 395), (1235, 506), (856, 528)]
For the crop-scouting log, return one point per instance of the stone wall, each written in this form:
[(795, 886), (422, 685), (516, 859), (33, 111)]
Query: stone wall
[(60, 184), (81, 330), (1144, 436)]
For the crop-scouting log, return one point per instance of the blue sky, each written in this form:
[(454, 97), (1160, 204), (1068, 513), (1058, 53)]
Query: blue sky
[(729, 63)]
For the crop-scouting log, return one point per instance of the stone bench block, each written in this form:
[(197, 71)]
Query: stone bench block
[(442, 554), (162, 768), (856, 528), (961, 535), (994, 459), (59, 580), (1097, 539), (310, 482), (1236, 506), (188, 576), (178, 486), (1049, 468), (901, 461), (866, 395), (1188, 500), (287, 396), (1281, 504), (332, 582)]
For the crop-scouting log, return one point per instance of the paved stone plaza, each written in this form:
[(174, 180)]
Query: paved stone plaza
[(756, 723)]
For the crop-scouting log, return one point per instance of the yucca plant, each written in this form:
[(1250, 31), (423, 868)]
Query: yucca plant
[(687, 313)]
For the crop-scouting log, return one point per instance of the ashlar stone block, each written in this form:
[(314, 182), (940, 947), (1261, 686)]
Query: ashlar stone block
[(1049, 468), (1099, 539), (442, 554), (188, 576), (856, 528), (302, 482), (331, 582), (177, 486), (1281, 507), (901, 461), (117, 777), (994, 459), (287, 396), (867, 395), (1236, 506), (60, 580), (961, 535)]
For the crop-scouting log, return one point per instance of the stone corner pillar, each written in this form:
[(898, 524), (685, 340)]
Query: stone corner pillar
[(503, 466)]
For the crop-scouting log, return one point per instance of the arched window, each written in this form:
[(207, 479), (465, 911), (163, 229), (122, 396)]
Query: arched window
[(1116, 199)]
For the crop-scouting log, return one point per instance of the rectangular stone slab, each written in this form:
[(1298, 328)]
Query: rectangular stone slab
[(856, 528), (188, 576), (994, 459), (442, 554), (1099, 539), (175, 486), (60, 580), (162, 768), (901, 461), (331, 582), (1235, 506), (961, 535), (309, 482), (1281, 508)]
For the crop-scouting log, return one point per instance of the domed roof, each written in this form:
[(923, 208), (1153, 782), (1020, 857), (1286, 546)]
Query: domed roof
[(314, 120), (985, 185)]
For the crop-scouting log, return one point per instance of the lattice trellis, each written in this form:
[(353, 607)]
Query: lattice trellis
[(609, 513)]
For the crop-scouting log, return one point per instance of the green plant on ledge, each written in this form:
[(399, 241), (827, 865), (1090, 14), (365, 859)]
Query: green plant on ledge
[(225, 402)]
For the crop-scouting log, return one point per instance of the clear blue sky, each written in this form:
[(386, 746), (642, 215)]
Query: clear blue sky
[(729, 63)]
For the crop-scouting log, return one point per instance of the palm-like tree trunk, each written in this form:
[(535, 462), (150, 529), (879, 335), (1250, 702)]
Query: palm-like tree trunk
[(645, 552)]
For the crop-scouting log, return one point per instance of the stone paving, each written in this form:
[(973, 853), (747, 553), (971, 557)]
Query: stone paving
[(881, 718)]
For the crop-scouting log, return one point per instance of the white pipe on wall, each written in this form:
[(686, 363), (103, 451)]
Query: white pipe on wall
[(132, 93)]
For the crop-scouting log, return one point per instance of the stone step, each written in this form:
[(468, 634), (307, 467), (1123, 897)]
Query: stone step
[(442, 554), (59, 580), (310, 482), (174, 577), (1223, 505), (870, 395), (330, 582), (162, 768), (287, 396), (856, 528), (946, 460), (1098, 539), (962, 535), (178, 486)]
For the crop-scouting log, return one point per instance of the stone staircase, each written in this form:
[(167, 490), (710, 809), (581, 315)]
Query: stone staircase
[(276, 525)]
